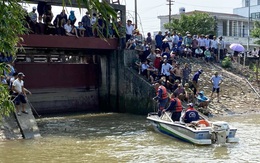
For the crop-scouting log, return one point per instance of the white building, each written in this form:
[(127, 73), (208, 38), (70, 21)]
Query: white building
[(254, 9), (233, 27)]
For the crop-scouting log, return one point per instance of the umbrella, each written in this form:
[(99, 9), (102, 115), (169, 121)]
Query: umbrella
[(237, 47)]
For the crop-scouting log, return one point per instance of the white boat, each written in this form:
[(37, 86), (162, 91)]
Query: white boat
[(215, 133)]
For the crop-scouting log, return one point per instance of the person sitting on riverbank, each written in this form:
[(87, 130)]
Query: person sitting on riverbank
[(203, 101), (207, 55), (189, 96), (155, 77), (180, 92)]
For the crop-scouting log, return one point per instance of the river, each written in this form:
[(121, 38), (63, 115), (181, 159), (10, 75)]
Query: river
[(113, 138)]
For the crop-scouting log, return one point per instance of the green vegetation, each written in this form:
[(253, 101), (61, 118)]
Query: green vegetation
[(197, 23), (11, 26), (256, 32), (226, 63)]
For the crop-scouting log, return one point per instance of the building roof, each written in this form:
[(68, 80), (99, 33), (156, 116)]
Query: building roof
[(217, 14)]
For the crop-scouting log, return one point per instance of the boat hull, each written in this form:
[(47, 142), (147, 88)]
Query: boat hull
[(183, 132)]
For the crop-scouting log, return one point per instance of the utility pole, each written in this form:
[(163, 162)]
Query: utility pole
[(170, 9), (135, 14), (248, 35)]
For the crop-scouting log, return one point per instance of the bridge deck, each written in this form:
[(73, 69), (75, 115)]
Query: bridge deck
[(67, 42)]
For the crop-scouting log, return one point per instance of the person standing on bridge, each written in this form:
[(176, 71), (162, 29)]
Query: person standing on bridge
[(216, 81), (20, 93)]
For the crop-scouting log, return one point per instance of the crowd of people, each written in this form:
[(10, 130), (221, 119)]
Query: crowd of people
[(42, 21), (158, 62)]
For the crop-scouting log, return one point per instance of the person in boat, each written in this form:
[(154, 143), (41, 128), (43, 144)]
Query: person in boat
[(175, 107), (203, 101), (190, 114), (162, 96)]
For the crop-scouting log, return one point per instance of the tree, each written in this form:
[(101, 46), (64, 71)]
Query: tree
[(256, 32), (12, 25), (196, 23), (12, 19)]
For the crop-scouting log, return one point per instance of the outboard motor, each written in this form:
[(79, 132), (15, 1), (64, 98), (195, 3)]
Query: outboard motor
[(220, 132)]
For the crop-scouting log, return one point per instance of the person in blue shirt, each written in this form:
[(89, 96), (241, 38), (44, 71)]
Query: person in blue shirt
[(203, 101), (190, 114), (195, 80), (158, 40)]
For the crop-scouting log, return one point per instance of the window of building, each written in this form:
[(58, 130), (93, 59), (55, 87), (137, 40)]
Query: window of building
[(230, 28), (247, 3), (255, 15), (224, 28), (258, 2)]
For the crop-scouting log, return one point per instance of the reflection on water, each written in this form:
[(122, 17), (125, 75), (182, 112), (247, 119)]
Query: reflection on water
[(126, 138)]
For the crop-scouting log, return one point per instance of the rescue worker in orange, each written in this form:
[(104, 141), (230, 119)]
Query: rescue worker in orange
[(175, 107), (162, 97), (190, 114)]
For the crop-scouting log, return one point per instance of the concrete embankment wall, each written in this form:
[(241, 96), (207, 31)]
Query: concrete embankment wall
[(60, 100), (61, 87), (122, 89)]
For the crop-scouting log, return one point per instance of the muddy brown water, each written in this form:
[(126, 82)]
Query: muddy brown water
[(116, 138)]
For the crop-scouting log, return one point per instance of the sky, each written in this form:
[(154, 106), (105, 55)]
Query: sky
[(148, 10)]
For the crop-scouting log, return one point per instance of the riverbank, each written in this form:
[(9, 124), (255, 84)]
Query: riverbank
[(9, 129), (236, 94)]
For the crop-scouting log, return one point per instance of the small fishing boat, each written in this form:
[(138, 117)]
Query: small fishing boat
[(202, 132)]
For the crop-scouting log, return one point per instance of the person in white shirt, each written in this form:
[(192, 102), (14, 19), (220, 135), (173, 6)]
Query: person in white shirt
[(202, 43), (222, 47), (170, 40), (199, 52), (129, 30), (20, 93), (166, 70), (93, 19), (214, 45), (70, 30), (255, 53), (216, 81), (207, 41)]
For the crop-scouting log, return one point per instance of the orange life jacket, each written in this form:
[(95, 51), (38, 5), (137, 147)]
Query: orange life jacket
[(203, 122), (164, 92), (178, 105)]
